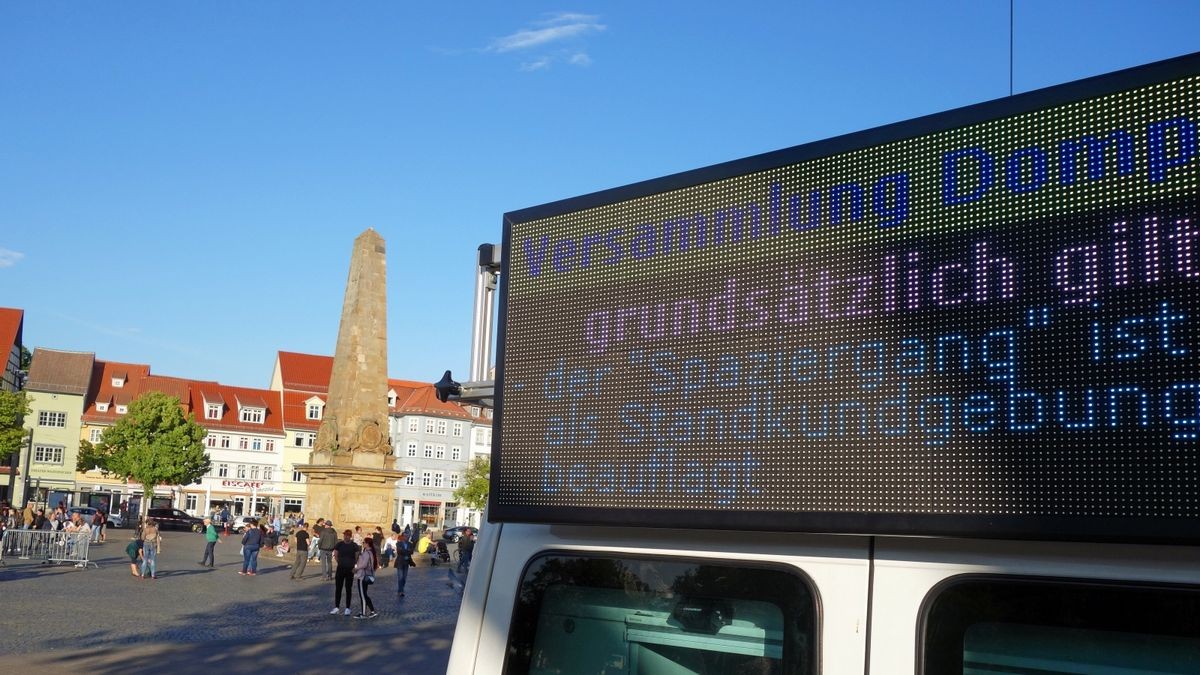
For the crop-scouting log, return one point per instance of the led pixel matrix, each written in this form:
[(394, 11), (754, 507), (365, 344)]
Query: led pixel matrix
[(992, 323)]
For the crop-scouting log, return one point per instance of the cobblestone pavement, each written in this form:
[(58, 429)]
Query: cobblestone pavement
[(195, 619)]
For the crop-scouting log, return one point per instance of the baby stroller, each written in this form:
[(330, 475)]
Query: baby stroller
[(439, 552)]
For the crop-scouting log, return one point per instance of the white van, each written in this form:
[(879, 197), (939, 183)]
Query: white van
[(920, 399)]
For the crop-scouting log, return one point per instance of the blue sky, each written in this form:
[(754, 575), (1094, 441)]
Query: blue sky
[(180, 183)]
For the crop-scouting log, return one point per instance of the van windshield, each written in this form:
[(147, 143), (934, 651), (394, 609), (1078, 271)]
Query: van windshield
[(639, 615)]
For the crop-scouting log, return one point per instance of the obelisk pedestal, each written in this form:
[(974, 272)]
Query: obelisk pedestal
[(350, 475)]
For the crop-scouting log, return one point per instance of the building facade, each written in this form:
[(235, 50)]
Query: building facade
[(245, 446), (12, 322), (57, 392)]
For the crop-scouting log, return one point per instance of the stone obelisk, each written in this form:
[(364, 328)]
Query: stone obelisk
[(350, 475)]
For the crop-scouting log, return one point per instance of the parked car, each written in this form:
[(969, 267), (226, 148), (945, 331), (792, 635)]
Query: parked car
[(453, 534), (174, 519), (87, 512), (240, 523), (115, 519)]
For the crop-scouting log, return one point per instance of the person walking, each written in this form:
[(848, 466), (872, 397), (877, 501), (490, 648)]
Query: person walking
[(326, 542), (403, 562), (347, 558), (210, 543), (151, 546), (364, 576), (301, 553), (225, 519), (251, 542)]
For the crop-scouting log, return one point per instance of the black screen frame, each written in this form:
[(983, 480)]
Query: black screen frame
[(1092, 528)]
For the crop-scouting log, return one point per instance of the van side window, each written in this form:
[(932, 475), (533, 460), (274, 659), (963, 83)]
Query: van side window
[(1004, 625), (600, 614)]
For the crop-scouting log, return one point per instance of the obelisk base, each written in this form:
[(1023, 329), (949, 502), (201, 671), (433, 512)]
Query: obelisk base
[(350, 496)]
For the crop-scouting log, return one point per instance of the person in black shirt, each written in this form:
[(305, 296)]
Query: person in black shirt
[(301, 554), (346, 552)]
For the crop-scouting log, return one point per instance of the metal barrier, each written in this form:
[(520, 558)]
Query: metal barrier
[(47, 546)]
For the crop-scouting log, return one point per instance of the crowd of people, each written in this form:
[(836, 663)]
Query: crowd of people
[(350, 558)]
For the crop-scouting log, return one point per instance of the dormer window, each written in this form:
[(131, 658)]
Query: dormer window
[(118, 380), (391, 398), (253, 415), (212, 411), (121, 409), (315, 408), (102, 407)]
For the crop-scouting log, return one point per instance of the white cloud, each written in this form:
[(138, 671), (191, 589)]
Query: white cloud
[(538, 64), (8, 258), (561, 27)]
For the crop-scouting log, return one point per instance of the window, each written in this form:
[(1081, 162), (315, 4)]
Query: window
[(256, 443), (414, 424), (101, 407), (122, 409), (391, 399), (458, 429), (456, 453), (96, 435), (998, 625), (270, 445), (429, 426), (252, 415), (314, 411), (48, 454), (412, 448), (441, 427), (297, 477), (189, 502), (487, 413), (268, 473), (47, 418), (429, 450), (210, 441), (474, 410), (305, 440), (224, 441), (118, 382), (293, 505), (241, 470), (212, 411), (439, 479), (440, 452), (426, 478), (243, 443), (411, 479), (254, 472), (453, 481), (222, 471), (574, 613)]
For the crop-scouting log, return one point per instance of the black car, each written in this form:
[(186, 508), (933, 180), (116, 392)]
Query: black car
[(174, 519), (453, 534)]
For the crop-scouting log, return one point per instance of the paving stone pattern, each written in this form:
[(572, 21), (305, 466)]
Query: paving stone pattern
[(195, 619)]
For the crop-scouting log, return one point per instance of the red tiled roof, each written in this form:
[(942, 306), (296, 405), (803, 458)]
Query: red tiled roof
[(231, 417), (305, 372), (102, 389), (11, 321), (295, 410)]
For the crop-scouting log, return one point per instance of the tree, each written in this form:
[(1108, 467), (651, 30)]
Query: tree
[(153, 444), (26, 358), (476, 482), (13, 409)]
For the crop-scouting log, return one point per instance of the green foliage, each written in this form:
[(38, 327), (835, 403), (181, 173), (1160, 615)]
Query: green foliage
[(476, 482), (154, 444), (13, 409), (26, 358)]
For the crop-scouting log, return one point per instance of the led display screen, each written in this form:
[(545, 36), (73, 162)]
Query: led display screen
[(984, 323)]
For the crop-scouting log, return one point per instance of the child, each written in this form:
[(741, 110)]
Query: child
[(134, 550), (283, 548)]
